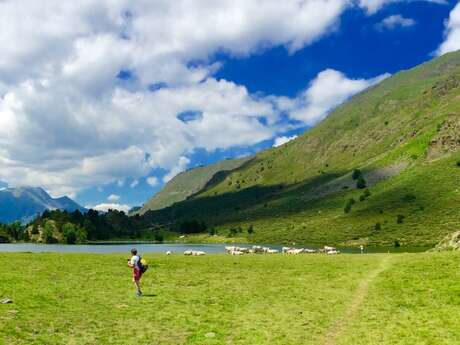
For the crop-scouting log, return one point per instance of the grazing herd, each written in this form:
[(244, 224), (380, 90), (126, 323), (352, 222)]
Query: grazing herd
[(235, 250)]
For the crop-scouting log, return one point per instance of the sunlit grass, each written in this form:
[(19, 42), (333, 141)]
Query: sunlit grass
[(218, 299)]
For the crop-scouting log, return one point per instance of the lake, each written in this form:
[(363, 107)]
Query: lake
[(177, 248)]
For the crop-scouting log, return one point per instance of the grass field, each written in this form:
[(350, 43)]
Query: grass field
[(217, 299)]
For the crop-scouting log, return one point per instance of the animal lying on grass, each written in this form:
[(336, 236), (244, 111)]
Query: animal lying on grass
[(194, 253)]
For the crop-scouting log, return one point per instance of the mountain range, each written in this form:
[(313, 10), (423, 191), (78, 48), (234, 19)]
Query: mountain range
[(383, 168), (24, 203)]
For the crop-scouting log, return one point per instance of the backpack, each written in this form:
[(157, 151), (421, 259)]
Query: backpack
[(143, 265)]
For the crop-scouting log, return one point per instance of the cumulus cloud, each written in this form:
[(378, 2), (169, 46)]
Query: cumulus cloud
[(69, 120), (395, 21), (372, 6), (328, 90), (152, 181), (283, 140), (452, 40), (134, 184), (110, 206), (181, 165), (113, 197)]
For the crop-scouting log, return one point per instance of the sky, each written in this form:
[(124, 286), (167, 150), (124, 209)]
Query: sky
[(107, 100)]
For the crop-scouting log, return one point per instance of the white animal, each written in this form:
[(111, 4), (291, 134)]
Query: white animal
[(230, 248), (333, 252), (285, 249), (257, 249), (236, 252), (327, 248), (310, 251), (194, 253), (272, 251), (168, 252), (295, 251), (242, 249)]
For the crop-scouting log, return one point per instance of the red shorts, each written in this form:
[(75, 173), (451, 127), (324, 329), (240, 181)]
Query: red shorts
[(137, 274)]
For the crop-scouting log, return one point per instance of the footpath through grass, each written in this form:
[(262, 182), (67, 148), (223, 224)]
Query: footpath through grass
[(217, 299)]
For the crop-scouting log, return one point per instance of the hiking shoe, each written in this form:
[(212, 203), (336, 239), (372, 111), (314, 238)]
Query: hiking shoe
[(139, 294)]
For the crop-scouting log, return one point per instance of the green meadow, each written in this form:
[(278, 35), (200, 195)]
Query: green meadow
[(219, 299)]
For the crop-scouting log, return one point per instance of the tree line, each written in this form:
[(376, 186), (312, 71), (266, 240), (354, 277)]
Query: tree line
[(56, 226)]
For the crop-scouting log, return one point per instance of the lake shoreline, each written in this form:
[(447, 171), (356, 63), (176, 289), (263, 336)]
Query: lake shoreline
[(179, 248)]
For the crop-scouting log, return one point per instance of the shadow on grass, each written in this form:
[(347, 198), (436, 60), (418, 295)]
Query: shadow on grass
[(149, 295), (255, 201)]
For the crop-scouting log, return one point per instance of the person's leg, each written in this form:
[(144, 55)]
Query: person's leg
[(138, 286)]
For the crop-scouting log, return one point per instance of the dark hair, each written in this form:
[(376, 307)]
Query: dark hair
[(134, 251)]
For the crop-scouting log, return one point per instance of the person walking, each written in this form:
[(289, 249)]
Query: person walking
[(135, 264)]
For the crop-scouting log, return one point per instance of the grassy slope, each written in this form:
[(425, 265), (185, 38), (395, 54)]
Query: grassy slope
[(88, 299), (389, 125), (189, 183)]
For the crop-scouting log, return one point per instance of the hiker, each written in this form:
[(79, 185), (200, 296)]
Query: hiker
[(135, 264), (361, 247)]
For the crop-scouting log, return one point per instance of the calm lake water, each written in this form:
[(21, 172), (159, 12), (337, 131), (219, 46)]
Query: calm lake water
[(173, 247)]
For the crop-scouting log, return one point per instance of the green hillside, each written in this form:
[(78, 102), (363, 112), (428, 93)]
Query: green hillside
[(188, 183), (403, 135)]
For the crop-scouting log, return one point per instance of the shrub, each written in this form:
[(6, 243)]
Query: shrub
[(400, 218), (377, 226), (356, 174), (409, 198), (362, 197), (367, 193), (250, 229), (361, 183), (458, 163), (397, 244), (348, 205), (232, 232), (159, 237)]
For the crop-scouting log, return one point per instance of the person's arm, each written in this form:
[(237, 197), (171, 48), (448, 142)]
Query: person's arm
[(130, 263)]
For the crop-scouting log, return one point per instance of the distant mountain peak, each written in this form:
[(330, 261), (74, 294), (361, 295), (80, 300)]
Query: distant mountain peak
[(25, 202)]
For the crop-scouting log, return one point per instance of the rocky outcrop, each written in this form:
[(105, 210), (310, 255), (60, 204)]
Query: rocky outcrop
[(447, 140), (450, 242)]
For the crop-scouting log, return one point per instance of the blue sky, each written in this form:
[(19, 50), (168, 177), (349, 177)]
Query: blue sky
[(116, 106)]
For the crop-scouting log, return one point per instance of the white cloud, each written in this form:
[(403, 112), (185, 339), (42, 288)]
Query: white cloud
[(452, 40), (328, 90), (152, 181), (113, 197), (67, 122), (395, 21), (178, 168), (134, 184), (372, 6), (110, 206), (283, 140)]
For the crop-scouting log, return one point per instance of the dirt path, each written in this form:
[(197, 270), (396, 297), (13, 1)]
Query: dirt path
[(342, 323)]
